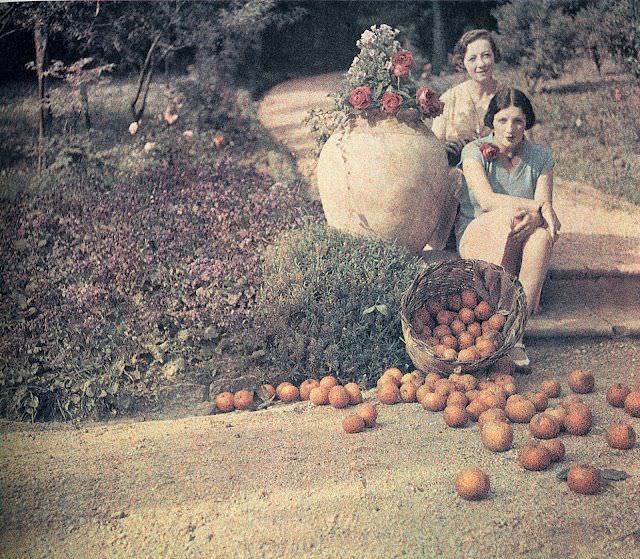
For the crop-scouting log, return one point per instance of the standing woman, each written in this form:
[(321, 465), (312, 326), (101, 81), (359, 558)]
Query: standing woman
[(466, 104), (506, 209)]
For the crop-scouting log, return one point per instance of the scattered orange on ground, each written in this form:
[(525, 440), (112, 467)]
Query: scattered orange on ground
[(389, 393), (353, 424), (472, 484), (328, 381), (369, 413), (497, 436), (544, 426), (319, 396), (581, 382), (243, 399), (355, 395), (306, 387), (338, 397), (267, 392), (289, 394), (621, 436), (534, 457), (616, 395), (632, 403), (224, 402), (551, 388), (584, 479), (555, 447)]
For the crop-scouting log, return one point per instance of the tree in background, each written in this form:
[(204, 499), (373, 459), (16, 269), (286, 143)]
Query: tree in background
[(538, 37)]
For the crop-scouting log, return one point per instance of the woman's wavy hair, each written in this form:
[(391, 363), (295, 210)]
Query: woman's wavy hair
[(469, 37), (509, 97)]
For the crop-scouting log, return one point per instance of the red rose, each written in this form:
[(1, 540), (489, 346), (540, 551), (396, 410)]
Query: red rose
[(400, 71), (489, 151), (428, 102), (401, 63), (360, 97), (391, 101)]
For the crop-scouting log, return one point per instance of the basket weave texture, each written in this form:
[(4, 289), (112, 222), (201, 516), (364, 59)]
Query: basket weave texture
[(491, 282)]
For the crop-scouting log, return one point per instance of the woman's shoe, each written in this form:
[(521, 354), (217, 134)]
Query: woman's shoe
[(519, 356)]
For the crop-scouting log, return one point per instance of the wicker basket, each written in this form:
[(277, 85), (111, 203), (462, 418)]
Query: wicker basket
[(492, 283)]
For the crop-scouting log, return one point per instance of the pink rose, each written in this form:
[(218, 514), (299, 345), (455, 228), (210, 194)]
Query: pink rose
[(402, 58), (400, 71), (360, 97), (428, 102), (391, 101), (489, 151), (617, 95)]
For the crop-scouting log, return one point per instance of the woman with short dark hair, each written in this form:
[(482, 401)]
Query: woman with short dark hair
[(465, 104), (506, 210)]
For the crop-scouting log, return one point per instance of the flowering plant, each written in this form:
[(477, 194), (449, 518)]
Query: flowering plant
[(489, 151), (378, 81)]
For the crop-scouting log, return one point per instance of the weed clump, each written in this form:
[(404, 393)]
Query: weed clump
[(330, 303)]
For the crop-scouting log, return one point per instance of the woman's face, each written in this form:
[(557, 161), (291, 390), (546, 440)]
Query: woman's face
[(508, 127), (478, 60)]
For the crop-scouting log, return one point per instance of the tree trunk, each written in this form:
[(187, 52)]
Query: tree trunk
[(439, 55), (40, 38), (144, 80), (84, 96)]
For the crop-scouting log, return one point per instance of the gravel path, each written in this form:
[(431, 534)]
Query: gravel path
[(286, 482)]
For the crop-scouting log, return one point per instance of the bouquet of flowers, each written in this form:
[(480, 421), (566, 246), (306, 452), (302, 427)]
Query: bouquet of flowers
[(378, 81)]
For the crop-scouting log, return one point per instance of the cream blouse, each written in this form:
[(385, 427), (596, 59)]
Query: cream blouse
[(462, 118)]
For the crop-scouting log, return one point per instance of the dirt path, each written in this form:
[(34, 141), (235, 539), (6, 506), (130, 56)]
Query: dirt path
[(286, 483)]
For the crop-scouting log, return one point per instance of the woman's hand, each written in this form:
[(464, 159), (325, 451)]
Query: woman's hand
[(454, 149), (551, 219), (524, 223)]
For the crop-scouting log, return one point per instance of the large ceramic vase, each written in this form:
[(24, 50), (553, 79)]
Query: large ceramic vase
[(388, 176)]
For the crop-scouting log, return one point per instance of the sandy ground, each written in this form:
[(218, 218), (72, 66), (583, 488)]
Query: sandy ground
[(286, 482)]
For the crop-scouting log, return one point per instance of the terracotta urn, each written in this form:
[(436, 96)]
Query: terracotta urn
[(388, 176)]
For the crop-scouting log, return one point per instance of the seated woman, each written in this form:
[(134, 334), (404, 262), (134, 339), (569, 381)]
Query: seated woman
[(465, 104), (506, 209)]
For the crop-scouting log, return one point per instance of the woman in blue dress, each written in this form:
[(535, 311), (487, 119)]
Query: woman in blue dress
[(506, 210)]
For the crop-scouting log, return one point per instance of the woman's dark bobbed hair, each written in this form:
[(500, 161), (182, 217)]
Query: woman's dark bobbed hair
[(469, 37), (509, 97)]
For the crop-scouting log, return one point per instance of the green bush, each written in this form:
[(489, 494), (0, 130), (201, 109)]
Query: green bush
[(330, 304)]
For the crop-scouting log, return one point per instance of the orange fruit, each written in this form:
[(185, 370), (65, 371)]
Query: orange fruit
[(616, 395), (355, 395), (267, 392), (319, 396), (580, 381), (475, 329), (449, 354), (408, 392), (224, 402), (353, 424), (621, 436), (454, 302), (289, 394), (386, 379), (468, 355), (306, 387), (469, 382), (497, 321), (458, 327), (465, 340), (578, 420), (441, 330), (475, 409), (328, 381), (455, 416), (492, 400), (338, 397), (466, 316), (569, 400), (445, 317), (492, 414), (388, 393), (369, 413), (485, 347), (534, 457), (421, 391), (450, 341), (394, 373), (497, 436), (444, 386), (519, 409), (469, 298), (501, 378), (584, 479), (551, 388), (243, 399), (434, 306), (544, 426), (539, 399), (472, 484), (457, 398), (281, 387), (472, 394), (632, 403), (434, 401), (559, 413), (431, 379), (483, 311), (555, 448), (510, 389)]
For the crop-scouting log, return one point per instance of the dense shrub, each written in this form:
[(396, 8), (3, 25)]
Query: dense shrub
[(108, 290), (537, 37), (330, 303)]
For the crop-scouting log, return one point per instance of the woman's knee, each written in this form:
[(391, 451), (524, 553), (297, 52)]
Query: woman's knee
[(541, 239)]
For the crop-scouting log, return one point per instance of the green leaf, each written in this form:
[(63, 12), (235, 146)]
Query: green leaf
[(614, 475), (369, 310), (382, 309), (563, 474)]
